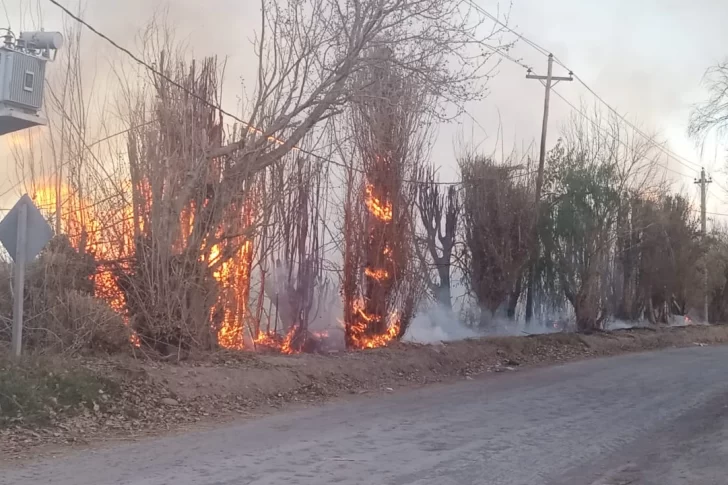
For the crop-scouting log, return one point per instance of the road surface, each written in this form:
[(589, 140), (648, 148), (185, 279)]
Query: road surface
[(648, 419)]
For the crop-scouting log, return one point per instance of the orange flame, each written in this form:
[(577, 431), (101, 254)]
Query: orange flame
[(272, 340), (377, 274), (80, 222), (233, 275), (382, 211), (87, 225), (359, 328)]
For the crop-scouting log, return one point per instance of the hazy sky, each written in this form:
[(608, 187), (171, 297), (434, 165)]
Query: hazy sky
[(646, 58)]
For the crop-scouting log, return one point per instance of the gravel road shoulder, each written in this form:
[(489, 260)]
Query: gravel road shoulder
[(159, 398)]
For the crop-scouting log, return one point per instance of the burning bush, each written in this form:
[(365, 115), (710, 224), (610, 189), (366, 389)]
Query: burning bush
[(61, 313)]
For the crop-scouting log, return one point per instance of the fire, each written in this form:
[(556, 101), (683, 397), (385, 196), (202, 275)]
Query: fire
[(370, 323), (377, 274), (233, 275), (273, 340), (265, 339), (286, 347), (382, 211), (363, 321), (108, 235), (82, 224)]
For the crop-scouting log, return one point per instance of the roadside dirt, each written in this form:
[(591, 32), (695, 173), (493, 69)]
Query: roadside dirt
[(158, 398)]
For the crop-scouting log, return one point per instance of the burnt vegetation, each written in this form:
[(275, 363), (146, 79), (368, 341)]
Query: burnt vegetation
[(315, 218)]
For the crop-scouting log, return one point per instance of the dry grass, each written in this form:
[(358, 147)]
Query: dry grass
[(61, 315)]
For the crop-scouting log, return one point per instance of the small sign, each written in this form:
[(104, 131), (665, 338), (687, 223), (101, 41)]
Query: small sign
[(38, 231)]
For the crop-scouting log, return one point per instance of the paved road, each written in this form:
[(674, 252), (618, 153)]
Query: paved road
[(647, 419)]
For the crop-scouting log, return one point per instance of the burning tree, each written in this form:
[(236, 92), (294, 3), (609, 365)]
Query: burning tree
[(496, 218), (292, 237), (174, 218), (380, 286), (188, 282), (305, 75)]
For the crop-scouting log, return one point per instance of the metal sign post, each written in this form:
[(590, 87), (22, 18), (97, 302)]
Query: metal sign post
[(19, 280), (24, 232)]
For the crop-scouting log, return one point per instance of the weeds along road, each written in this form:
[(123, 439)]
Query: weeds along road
[(655, 418)]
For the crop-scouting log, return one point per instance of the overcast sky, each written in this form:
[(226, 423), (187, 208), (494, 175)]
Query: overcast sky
[(646, 58)]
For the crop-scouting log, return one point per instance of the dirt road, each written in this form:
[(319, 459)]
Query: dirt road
[(653, 418)]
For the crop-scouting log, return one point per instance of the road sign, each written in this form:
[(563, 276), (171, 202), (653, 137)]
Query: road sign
[(24, 232), (39, 232)]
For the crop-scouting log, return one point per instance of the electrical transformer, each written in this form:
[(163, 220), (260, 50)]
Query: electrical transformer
[(22, 78)]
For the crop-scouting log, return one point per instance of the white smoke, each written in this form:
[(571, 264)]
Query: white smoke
[(438, 324)]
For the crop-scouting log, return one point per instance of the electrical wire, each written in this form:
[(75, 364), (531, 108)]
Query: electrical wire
[(596, 125), (722, 187), (683, 161), (7, 16), (328, 160), (546, 53), (155, 71), (495, 19)]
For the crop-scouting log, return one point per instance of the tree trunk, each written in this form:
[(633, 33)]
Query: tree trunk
[(514, 297), (443, 293)]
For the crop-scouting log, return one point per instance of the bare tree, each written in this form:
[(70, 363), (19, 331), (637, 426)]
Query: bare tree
[(309, 50), (712, 114), (297, 286), (439, 211)]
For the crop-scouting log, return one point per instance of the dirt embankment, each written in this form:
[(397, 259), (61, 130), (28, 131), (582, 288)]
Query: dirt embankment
[(154, 398)]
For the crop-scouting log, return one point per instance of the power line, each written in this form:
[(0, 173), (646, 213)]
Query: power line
[(712, 213), (119, 133), (649, 139), (506, 27), (720, 185), (7, 16), (219, 108), (307, 152), (505, 55), (683, 161), (596, 125)]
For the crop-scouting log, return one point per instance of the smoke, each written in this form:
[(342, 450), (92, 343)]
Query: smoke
[(438, 324)]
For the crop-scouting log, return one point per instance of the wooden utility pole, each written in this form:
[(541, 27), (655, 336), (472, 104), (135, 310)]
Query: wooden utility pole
[(550, 82), (704, 229)]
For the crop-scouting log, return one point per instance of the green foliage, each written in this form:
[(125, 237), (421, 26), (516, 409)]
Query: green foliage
[(34, 393), (582, 195)]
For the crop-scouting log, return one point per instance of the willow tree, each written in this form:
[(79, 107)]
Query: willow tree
[(588, 173)]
